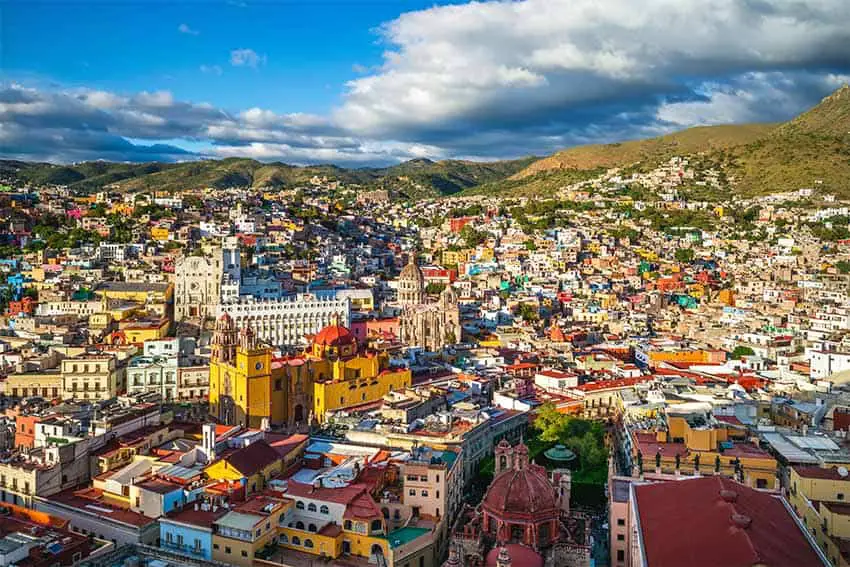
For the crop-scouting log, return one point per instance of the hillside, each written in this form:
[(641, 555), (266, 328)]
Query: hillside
[(692, 140), (414, 179), (760, 158)]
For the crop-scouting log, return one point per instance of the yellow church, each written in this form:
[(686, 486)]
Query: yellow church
[(249, 385)]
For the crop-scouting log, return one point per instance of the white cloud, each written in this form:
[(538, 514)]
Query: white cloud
[(492, 79), (475, 62), (752, 97), (211, 69), (246, 58), (184, 28)]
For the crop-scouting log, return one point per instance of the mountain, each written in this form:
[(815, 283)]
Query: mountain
[(761, 158), (697, 139), (414, 179)]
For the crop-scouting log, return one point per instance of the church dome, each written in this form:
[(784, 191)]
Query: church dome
[(334, 336), (514, 555), (521, 491), (412, 273)]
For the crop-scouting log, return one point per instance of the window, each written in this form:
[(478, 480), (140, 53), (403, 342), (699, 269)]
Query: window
[(284, 538), (308, 543), (296, 540), (412, 492), (621, 555), (424, 493), (244, 553), (621, 537), (299, 505), (621, 522), (324, 510), (257, 534), (347, 524), (215, 546), (311, 507), (312, 528), (227, 550), (299, 525), (840, 496)]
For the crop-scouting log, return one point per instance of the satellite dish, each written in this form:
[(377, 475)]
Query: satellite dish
[(842, 471)]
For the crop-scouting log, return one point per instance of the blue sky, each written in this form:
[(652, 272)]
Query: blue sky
[(311, 47), (361, 83)]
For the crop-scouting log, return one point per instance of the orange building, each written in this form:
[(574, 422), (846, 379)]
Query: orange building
[(25, 430)]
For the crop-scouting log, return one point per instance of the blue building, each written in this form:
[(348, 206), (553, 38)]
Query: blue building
[(189, 531)]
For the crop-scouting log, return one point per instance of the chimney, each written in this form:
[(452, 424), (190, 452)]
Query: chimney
[(208, 442)]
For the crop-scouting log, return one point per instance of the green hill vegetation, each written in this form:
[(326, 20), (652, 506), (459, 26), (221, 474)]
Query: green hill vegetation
[(755, 159), (413, 179)]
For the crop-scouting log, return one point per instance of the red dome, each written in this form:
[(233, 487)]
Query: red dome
[(335, 336), (522, 492), (520, 555)]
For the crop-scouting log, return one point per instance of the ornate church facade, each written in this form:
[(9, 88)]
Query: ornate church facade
[(429, 325)]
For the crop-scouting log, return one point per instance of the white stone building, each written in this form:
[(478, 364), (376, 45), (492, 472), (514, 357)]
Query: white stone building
[(286, 321)]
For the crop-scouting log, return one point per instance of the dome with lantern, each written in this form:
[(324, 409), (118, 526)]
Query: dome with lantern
[(334, 340)]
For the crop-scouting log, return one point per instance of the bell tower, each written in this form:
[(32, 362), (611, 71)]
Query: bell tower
[(504, 457), (224, 340)]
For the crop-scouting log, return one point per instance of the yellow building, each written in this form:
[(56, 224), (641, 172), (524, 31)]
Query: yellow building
[(160, 233), (247, 529), (241, 387), (684, 449), (819, 497), (258, 463), (141, 330), (92, 377), (47, 384), (246, 385)]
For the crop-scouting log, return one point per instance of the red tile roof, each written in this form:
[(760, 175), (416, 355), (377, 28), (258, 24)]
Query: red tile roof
[(824, 473), (253, 458), (724, 523)]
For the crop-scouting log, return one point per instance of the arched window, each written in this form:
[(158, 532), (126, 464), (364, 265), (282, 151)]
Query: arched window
[(503, 462), (324, 510), (299, 505), (312, 528), (283, 538), (308, 543), (299, 525), (296, 540), (311, 507)]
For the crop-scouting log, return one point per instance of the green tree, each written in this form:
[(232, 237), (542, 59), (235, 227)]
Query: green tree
[(684, 255), (434, 288), (843, 266), (528, 312), (741, 351)]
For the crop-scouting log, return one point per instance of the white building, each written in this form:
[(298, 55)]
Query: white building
[(286, 321)]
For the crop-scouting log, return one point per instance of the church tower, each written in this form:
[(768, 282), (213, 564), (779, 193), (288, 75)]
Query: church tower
[(504, 457), (411, 284), (224, 339)]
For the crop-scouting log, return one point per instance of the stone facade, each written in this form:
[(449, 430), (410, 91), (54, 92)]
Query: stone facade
[(197, 286), (432, 325)]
